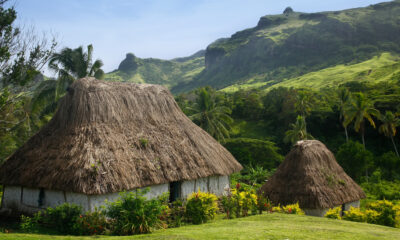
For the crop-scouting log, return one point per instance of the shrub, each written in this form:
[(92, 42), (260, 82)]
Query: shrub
[(277, 209), (237, 199), (30, 225), (248, 202), (355, 215), (132, 213), (176, 214), (228, 204), (293, 209), (386, 211), (201, 207), (91, 223), (334, 213), (263, 204), (61, 218), (381, 189), (371, 216)]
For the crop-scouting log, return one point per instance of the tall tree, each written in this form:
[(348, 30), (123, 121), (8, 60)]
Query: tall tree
[(298, 131), (304, 103), (213, 118), (69, 64), (22, 54), (344, 99), (388, 127), (360, 109), (76, 63)]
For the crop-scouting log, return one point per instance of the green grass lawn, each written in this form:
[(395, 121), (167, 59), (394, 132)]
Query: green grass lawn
[(266, 226)]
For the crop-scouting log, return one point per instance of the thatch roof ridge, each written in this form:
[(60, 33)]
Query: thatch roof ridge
[(311, 176), (107, 137)]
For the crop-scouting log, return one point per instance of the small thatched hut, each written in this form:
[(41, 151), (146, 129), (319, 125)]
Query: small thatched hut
[(108, 137), (311, 176)]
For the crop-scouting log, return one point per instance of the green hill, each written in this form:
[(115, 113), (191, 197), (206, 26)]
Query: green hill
[(157, 71), (288, 46), (382, 68), (294, 49)]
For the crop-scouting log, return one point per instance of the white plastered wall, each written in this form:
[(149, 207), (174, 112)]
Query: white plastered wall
[(26, 200), (355, 204), (213, 184), (316, 212)]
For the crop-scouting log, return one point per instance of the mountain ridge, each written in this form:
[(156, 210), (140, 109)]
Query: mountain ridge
[(278, 48)]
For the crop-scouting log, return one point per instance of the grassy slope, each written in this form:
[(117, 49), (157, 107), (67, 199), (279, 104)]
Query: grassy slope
[(287, 47), (156, 71), (383, 68), (267, 226)]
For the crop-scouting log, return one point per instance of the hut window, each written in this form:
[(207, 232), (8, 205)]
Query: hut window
[(41, 197), (174, 191)]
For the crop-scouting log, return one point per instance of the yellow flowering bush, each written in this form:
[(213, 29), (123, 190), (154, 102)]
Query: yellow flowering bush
[(277, 209), (397, 218), (334, 213), (293, 209), (201, 207), (354, 214), (386, 211), (248, 203), (244, 201), (371, 216)]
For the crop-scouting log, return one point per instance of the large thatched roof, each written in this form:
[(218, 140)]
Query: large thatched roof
[(108, 137), (311, 176)]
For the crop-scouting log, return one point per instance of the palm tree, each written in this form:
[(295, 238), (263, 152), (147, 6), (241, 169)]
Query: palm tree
[(303, 103), (359, 109), (298, 131), (69, 64), (388, 127), (76, 63), (344, 98), (212, 118)]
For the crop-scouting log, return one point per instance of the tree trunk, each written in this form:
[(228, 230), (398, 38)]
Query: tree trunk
[(362, 138), (362, 133), (394, 145), (347, 135)]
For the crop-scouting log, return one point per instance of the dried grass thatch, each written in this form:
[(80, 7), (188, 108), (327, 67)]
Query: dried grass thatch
[(108, 137), (311, 176)]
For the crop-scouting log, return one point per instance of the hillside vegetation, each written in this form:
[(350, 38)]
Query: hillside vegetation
[(157, 71), (288, 46), (382, 68)]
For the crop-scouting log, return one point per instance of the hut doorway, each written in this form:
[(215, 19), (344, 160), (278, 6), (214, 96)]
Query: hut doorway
[(174, 191)]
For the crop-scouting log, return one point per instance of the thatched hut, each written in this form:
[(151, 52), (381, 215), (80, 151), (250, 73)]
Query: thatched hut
[(108, 137), (311, 176)]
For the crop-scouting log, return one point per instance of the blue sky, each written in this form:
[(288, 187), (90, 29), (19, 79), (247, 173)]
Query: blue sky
[(155, 28)]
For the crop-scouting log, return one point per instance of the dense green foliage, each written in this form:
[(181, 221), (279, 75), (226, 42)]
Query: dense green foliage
[(263, 119), (133, 213), (61, 219), (254, 152), (210, 116), (22, 55)]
